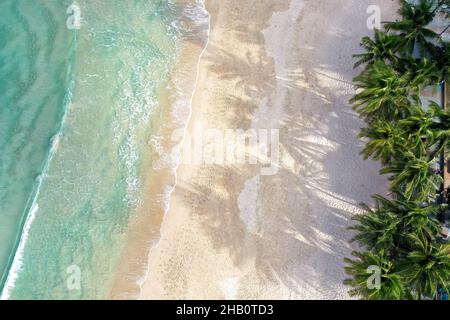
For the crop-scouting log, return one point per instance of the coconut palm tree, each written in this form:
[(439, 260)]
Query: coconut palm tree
[(402, 234), (387, 141), (402, 237), (382, 48), (387, 94), (414, 176), (383, 93), (413, 26), (421, 121), (421, 72), (432, 125), (426, 267), (391, 286), (420, 219), (387, 225), (441, 129), (377, 229)]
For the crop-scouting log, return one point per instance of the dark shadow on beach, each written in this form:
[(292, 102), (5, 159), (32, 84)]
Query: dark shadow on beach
[(303, 211)]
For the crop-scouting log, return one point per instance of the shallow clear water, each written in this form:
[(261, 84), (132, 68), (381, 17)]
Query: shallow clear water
[(35, 54), (76, 108)]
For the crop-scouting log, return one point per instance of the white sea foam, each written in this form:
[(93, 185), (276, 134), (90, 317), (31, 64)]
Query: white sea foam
[(55, 142), (182, 113), (173, 159), (156, 145), (17, 263), (164, 198), (177, 149)]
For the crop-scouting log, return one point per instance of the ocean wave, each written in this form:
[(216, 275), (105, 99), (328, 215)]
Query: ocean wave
[(129, 124), (16, 262), (16, 266)]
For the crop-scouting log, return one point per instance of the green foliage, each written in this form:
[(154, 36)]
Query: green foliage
[(385, 227), (386, 141), (413, 26), (441, 55), (432, 126), (427, 266), (382, 48), (415, 176), (402, 235), (421, 72), (391, 285), (383, 92)]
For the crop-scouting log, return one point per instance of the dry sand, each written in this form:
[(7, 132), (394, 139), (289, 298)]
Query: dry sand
[(232, 233)]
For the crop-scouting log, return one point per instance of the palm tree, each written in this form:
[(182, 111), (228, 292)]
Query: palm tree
[(387, 141), (414, 176), (421, 72), (391, 286), (426, 267), (377, 229), (402, 234), (441, 128), (432, 125), (382, 48), (420, 121), (387, 94), (421, 219), (383, 94), (413, 26), (387, 225)]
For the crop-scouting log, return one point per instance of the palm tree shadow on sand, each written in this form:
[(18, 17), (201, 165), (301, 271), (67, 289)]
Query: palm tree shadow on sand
[(302, 213)]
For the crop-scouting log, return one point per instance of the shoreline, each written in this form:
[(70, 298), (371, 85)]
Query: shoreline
[(178, 146), (160, 176), (231, 233), (184, 170)]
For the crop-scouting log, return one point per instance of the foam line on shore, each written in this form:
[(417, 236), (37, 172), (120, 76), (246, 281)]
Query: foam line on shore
[(177, 148)]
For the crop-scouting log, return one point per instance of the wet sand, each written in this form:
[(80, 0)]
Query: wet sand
[(233, 233)]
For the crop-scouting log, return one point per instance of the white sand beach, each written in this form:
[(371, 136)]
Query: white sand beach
[(233, 233)]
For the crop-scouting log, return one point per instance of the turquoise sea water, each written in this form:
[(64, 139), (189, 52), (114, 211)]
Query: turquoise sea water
[(75, 112)]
